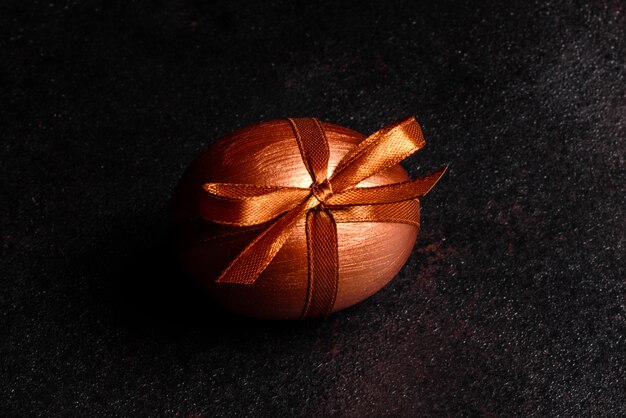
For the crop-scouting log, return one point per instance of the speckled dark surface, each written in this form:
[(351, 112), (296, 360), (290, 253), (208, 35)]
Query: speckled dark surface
[(512, 303)]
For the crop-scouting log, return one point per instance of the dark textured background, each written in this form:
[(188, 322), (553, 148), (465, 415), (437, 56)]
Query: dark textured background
[(511, 304)]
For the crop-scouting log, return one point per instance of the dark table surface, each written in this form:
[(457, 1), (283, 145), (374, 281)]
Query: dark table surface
[(512, 302)]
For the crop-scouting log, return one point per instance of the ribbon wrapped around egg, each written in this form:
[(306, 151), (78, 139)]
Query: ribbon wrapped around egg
[(266, 241)]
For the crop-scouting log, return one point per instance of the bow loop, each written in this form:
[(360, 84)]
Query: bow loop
[(246, 205), (377, 152)]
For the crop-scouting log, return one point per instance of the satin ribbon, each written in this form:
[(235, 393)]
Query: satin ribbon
[(326, 202)]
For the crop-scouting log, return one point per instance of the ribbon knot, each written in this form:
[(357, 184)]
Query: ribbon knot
[(322, 191), (335, 199)]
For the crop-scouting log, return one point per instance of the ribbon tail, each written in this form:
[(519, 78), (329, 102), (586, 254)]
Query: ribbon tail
[(251, 262), (389, 193), (323, 261), (407, 212), (427, 182)]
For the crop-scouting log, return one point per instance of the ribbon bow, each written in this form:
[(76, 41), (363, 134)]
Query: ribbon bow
[(327, 201)]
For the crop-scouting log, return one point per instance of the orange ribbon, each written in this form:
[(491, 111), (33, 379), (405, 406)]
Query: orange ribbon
[(327, 201)]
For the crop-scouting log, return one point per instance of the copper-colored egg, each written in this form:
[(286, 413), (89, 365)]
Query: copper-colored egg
[(370, 254)]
